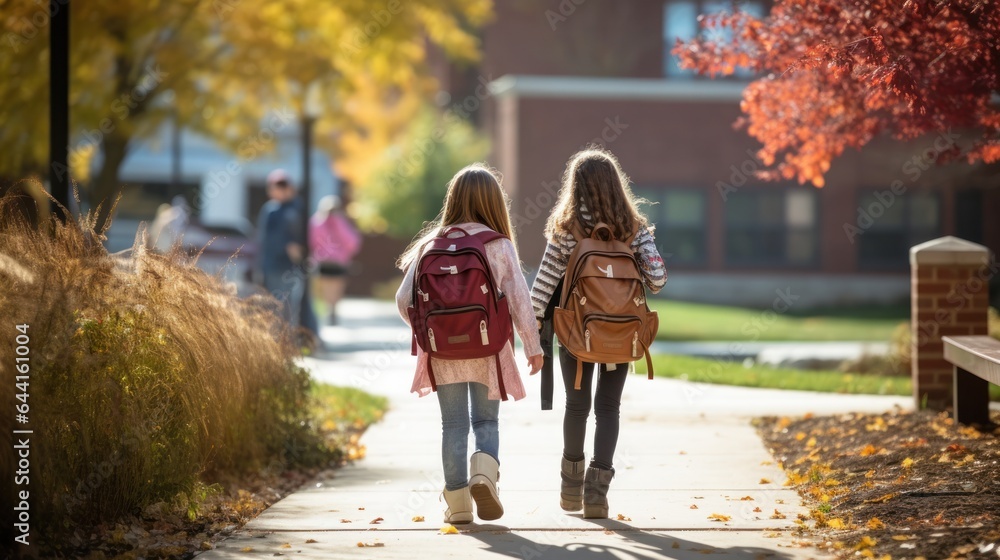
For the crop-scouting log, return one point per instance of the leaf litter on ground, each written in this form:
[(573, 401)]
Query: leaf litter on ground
[(899, 484)]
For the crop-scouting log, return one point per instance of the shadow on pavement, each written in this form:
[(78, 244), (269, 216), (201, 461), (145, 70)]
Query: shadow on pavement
[(642, 545)]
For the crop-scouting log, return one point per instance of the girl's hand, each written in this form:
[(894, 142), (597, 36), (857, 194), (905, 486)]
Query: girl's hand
[(535, 363)]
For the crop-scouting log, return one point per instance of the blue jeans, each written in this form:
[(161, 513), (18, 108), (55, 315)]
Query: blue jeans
[(287, 286), (455, 419)]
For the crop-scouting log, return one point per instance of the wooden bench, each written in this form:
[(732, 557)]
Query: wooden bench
[(977, 364)]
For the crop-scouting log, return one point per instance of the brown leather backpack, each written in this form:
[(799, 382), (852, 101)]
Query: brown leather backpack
[(603, 316)]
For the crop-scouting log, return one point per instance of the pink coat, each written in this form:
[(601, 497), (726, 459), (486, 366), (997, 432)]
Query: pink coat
[(333, 239), (507, 273)]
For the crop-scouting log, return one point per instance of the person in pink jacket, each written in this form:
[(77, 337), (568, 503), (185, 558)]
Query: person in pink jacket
[(475, 202), (334, 242)]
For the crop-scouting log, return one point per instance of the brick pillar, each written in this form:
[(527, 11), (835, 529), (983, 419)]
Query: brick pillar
[(950, 296)]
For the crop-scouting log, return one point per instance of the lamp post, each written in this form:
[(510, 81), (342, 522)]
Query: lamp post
[(59, 180), (311, 108)]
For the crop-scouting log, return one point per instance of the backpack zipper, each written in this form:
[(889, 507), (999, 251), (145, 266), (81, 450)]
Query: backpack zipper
[(586, 337), (635, 344), (430, 335), (483, 333), (457, 310)]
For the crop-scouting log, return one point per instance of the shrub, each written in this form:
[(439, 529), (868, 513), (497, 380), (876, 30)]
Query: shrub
[(146, 375)]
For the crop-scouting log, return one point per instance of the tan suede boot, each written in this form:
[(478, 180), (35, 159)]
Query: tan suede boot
[(485, 472), (459, 506)]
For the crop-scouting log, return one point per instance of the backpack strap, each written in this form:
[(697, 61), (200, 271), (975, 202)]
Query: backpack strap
[(579, 374), (632, 237), (500, 386), (601, 226), (430, 373), (489, 235)]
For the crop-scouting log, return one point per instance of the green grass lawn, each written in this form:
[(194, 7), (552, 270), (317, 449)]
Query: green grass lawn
[(337, 407), (698, 321), (734, 373)]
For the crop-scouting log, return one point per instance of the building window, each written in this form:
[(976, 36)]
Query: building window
[(680, 21), (893, 228), (776, 228), (680, 216)]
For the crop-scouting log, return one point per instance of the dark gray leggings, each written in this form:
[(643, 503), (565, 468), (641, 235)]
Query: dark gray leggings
[(607, 402)]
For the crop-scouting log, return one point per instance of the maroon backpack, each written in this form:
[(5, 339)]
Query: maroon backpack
[(458, 312)]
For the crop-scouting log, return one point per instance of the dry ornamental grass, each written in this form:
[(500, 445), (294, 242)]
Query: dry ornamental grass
[(146, 376)]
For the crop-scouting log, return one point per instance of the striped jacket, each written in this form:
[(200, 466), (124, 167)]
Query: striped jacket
[(556, 258)]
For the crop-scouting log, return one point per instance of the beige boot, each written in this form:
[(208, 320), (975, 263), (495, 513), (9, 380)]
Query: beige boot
[(595, 493), (485, 472), (459, 506), (571, 495)]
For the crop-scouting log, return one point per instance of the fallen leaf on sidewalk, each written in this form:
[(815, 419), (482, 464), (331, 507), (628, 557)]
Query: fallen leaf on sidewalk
[(418, 518), (875, 524), (719, 517), (757, 510), (311, 541), (621, 517), (449, 530), (765, 481), (369, 545), (376, 521), (286, 545), (693, 506), (881, 499), (778, 515), (835, 523), (345, 521), (246, 549), (746, 499)]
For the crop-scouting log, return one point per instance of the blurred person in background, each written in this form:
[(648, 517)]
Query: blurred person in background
[(281, 248), (169, 225), (334, 242)]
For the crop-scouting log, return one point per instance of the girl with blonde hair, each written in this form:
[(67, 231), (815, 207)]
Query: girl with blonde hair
[(474, 203)]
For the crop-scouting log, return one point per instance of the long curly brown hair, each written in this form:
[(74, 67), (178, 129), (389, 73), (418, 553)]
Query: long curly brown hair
[(594, 177)]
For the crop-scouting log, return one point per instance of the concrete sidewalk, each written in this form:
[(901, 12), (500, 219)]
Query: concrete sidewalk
[(686, 451)]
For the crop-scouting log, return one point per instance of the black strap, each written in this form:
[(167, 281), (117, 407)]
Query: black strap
[(546, 334)]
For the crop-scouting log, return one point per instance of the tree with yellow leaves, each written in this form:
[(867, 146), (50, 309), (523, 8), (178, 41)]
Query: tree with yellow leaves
[(218, 66)]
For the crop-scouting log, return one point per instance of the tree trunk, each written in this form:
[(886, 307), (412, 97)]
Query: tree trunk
[(105, 189)]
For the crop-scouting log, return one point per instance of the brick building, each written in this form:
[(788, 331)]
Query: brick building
[(562, 74)]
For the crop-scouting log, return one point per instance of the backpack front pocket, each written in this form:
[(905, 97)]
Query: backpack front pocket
[(457, 333), (613, 336)]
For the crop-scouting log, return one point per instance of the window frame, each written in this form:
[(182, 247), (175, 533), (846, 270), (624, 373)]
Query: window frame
[(782, 263), (656, 213), (700, 7), (911, 236)]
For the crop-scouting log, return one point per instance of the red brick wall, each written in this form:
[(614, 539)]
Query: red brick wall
[(947, 300)]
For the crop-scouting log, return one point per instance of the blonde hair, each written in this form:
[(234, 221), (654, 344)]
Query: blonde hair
[(595, 178), (474, 195)]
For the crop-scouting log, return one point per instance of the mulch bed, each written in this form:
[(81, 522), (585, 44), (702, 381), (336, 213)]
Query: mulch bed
[(902, 484)]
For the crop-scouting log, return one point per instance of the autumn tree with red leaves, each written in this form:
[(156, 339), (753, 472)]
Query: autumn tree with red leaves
[(837, 73)]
